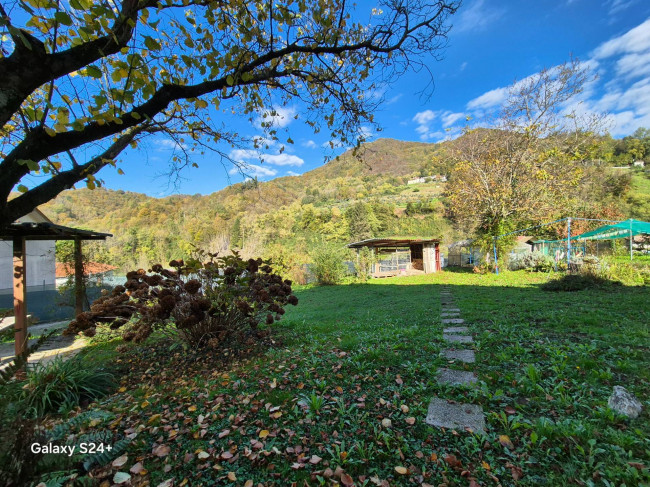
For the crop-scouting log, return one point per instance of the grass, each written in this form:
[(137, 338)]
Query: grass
[(314, 408)]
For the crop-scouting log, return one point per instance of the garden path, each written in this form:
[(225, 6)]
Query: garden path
[(444, 413), (57, 345)]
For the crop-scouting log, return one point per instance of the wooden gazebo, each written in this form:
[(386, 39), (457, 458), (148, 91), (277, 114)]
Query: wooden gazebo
[(19, 233), (402, 255)]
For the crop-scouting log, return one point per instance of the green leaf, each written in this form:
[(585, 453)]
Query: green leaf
[(22, 188), (93, 71), (230, 80), (151, 43), (63, 18)]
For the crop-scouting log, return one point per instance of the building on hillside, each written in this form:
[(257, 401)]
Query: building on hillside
[(41, 253), (95, 271), (639, 164), (396, 256)]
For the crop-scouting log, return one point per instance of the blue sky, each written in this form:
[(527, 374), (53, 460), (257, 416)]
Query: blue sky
[(491, 44)]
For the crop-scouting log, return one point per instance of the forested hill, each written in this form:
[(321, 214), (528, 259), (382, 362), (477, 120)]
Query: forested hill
[(160, 228), (345, 199)]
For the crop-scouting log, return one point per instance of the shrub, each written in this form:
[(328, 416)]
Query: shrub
[(328, 264), (63, 385), (535, 261), (576, 282), (222, 300)]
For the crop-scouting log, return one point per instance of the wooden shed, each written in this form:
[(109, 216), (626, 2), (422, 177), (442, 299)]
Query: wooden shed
[(402, 256)]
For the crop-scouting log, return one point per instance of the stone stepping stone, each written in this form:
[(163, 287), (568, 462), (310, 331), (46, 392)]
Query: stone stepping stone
[(456, 329), (453, 321), (444, 414), (450, 310), (456, 377), (457, 338), (466, 356), (448, 315)]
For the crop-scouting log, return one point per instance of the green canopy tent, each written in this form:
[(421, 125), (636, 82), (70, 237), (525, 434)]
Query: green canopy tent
[(625, 229)]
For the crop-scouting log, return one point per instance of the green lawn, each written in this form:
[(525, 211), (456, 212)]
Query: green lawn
[(347, 358)]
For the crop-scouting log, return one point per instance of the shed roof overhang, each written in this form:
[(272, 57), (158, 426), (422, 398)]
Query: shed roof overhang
[(48, 231), (390, 242)]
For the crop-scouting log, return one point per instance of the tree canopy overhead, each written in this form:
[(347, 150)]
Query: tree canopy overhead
[(82, 80)]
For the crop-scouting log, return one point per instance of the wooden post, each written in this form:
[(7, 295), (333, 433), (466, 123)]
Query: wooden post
[(78, 278), (20, 295)]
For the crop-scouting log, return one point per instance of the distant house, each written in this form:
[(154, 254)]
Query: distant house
[(438, 177), (639, 163), (416, 181), (96, 271), (40, 260)]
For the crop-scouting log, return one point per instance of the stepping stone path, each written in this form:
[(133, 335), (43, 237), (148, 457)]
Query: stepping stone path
[(450, 414)]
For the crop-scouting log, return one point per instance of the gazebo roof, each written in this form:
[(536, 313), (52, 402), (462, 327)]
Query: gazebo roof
[(391, 242), (49, 231)]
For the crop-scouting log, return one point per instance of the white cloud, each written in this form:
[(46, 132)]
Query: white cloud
[(366, 132), (333, 144), (634, 65), (279, 117), (394, 99), (283, 159), (490, 99), (616, 6), (253, 170), (292, 173), (476, 16), (450, 118), (635, 40), (310, 144), (424, 120), (169, 144)]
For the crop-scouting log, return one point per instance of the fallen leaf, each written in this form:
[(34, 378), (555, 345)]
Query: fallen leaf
[(121, 477), (486, 465), (386, 423), (166, 483), (401, 470), (404, 408), (119, 461), (203, 455), (137, 468), (231, 476), (192, 408), (346, 480), (510, 410), (399, 381), (505, 441), (315, 459), (154, 418), (410, 420), (249, 483), (264, 433), (452, 461), (224, 433), (161, 451)]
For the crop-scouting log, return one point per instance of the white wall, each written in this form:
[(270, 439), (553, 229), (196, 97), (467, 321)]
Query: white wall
[(40, 263)]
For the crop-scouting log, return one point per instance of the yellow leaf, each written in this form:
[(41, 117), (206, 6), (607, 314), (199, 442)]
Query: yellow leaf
[(249, 483), (231, 476), (505, 441), (192, 408), (264, 433), (144, 404), (154, 418), (122, 389), (486, 465), (401, 470)]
